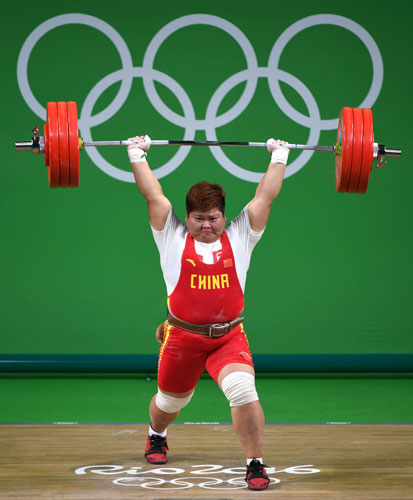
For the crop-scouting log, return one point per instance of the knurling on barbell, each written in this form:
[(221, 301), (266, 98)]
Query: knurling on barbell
[(354, 150)]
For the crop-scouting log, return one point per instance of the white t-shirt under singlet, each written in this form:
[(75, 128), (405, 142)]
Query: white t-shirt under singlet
[(171, 243)]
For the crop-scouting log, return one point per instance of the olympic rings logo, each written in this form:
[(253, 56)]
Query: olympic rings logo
[(184, 483), (212, 120)]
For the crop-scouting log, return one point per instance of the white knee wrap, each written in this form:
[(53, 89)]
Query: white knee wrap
[(170, 404), (239, 388)]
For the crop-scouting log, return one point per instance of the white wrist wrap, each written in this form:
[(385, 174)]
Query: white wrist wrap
[(279, 155), (136, 155)]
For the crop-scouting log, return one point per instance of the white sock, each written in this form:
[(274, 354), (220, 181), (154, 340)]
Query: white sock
[(249, 460), (152, 432)]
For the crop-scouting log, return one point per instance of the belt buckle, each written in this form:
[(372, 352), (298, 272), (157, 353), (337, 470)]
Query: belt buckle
[(218, 326)]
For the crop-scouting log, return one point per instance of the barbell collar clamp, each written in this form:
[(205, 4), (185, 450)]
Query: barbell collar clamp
[(36, 145), (380, 151)]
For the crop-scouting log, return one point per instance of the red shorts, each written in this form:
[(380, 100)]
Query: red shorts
[(184, 356)]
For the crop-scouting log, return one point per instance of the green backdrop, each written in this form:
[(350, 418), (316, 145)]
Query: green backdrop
[(79, 269)]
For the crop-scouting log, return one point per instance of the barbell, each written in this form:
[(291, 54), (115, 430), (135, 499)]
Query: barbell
[(355, 149)]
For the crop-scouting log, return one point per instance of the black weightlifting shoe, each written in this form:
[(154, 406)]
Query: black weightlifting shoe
[(256, 477), (156, 447)]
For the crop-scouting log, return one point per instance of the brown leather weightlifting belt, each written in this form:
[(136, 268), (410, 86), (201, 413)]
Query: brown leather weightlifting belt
[(209, 330)]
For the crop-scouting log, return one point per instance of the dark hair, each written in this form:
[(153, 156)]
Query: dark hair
[(204, 196)]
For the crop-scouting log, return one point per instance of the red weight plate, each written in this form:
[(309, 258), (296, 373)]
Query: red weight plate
[(73, 143), (368, 150), (53, 129), (63, 144), (46, 144), (357, 150), (345, 145)]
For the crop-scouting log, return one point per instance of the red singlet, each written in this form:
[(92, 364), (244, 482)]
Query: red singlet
[(205, 293)]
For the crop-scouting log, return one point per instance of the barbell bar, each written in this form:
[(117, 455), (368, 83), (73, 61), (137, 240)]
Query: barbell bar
[(355, 149)]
